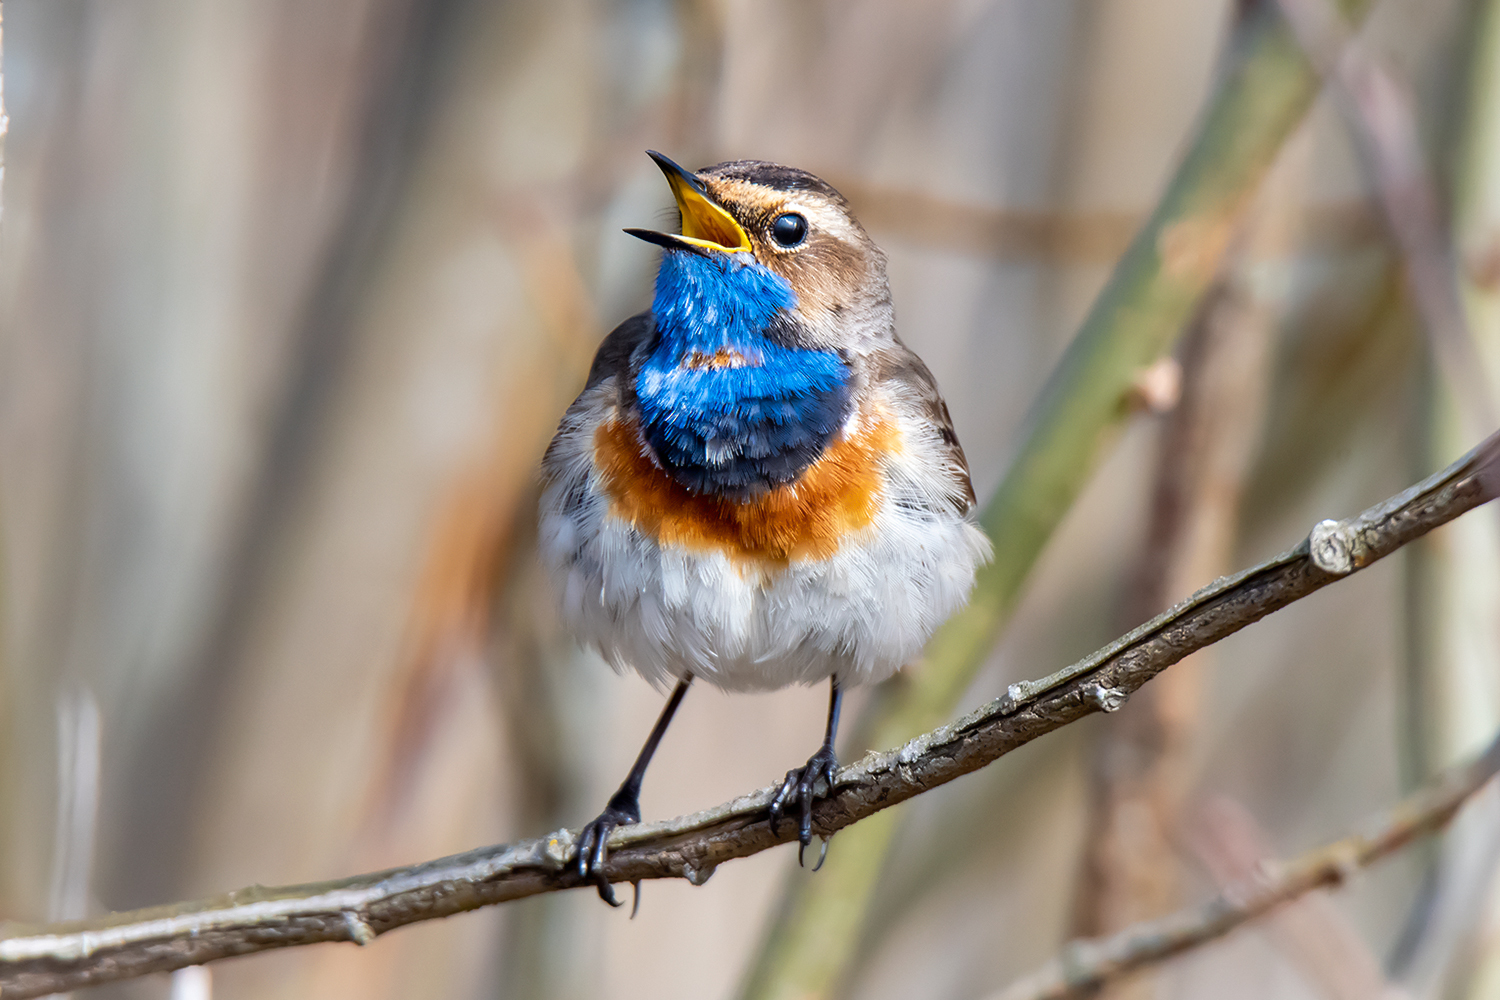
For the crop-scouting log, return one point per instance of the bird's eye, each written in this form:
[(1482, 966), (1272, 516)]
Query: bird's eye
[(789, 229)]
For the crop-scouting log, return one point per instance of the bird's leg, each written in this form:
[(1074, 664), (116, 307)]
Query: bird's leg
[(625, 805), (801, 782)]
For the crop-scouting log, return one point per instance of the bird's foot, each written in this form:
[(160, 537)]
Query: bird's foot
[(621, 811), (801, 788)]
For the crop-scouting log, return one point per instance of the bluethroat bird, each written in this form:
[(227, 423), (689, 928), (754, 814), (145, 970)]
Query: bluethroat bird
[(759, 484)]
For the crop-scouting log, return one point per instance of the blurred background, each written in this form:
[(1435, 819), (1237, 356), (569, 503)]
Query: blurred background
[(293, 293)]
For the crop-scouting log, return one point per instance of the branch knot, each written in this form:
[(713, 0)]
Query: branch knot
[(1334, 548), (1104, 697)]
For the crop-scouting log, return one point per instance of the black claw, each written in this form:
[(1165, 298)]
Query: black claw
[(802, 782), (593, 847), (778, 804)]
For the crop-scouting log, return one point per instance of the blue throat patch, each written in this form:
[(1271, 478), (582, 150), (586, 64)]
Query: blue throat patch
[(728, 409)]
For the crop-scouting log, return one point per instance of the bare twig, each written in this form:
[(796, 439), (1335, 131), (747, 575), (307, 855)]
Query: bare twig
[(1311, 932), (52, 959), (1085, 965)]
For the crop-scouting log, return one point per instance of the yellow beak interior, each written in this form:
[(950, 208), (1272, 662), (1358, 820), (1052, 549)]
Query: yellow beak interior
[(703, 222)]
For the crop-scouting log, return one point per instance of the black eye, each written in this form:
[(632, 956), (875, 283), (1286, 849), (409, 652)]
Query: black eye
[(789, 229)]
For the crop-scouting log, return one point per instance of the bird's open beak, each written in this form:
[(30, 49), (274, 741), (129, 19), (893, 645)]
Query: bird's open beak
[(705, 226)]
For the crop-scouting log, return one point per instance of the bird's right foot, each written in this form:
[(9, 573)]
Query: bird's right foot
[(621, 811), (803, 786)]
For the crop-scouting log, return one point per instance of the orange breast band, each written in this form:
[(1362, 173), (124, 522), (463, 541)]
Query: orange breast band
[(839, 493)]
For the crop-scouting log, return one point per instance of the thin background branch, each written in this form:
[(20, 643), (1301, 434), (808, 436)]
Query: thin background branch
[(1086, 965), (1312, 932), (120, 946)]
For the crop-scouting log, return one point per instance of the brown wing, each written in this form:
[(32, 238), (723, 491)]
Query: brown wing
[(897, 368), (614, 353), (613, 358)]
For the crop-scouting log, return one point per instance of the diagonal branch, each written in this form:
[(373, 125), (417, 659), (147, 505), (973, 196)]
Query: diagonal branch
[(1086, 965), (52, 959)]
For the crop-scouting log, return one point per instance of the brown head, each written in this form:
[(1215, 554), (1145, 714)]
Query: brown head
[(798, 226)]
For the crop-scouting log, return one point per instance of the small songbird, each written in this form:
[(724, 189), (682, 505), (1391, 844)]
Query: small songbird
[(759, 485)]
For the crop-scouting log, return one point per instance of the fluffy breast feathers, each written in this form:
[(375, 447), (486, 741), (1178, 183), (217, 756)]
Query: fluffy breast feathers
[(846, 571)]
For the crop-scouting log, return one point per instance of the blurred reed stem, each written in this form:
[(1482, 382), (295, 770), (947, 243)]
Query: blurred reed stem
[(1142, 761), (1455, 574), (1256, 106)]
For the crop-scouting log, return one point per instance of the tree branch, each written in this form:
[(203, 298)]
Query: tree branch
[(1086, 965), (63, 957)]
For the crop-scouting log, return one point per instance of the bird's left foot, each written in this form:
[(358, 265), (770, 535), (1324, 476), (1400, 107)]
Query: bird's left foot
[(801, 788), (622, 810)]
